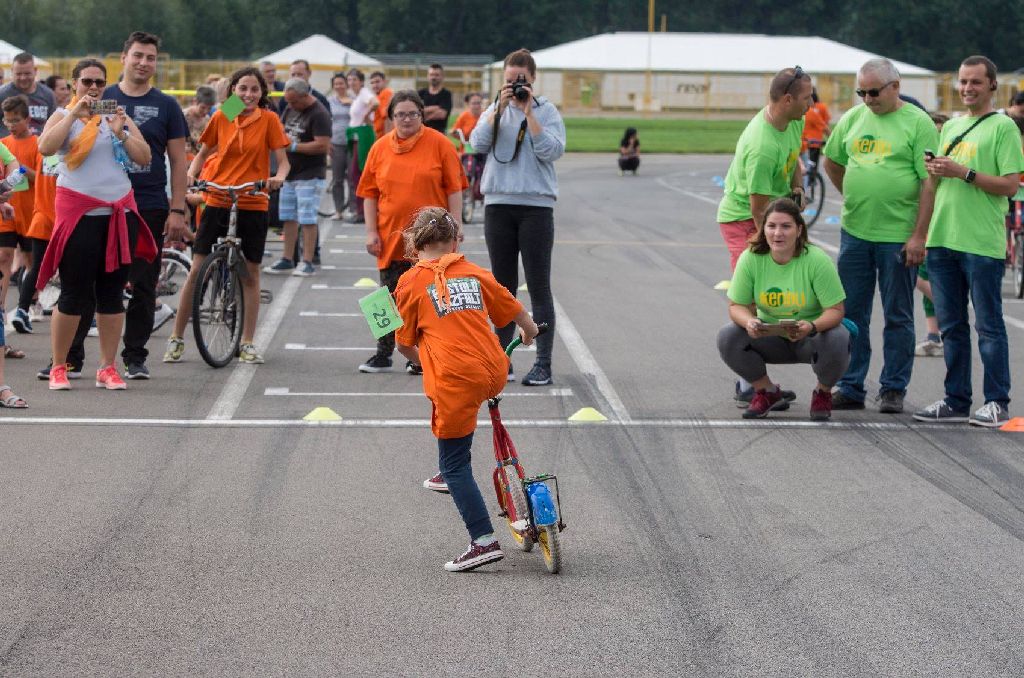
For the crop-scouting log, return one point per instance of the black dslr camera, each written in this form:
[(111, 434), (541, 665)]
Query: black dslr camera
[(521, 88)]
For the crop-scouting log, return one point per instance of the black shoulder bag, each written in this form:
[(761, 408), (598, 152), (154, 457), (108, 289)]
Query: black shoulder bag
[(956, 142)]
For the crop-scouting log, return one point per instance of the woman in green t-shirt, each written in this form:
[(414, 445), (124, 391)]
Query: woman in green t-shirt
[(785, 306)]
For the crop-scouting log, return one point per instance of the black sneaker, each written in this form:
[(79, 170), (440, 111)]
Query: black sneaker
[(743, 398), (842, 402), (413, 368), (476, 556), (378, 363), (136, 371), (539, 375), (74, 372), (941, 412), (891, 402)]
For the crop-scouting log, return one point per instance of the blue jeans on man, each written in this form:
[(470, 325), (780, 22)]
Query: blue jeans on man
[(861, 263), (955, 275)]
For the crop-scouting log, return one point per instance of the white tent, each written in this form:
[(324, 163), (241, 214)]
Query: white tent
[(9, 51), (319, 50), (701, 71)]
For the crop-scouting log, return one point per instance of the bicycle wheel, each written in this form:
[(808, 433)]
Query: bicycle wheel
[(551, 548), (523, 540), (1018, 265), (172, 262), (218, 310), (815, 198)]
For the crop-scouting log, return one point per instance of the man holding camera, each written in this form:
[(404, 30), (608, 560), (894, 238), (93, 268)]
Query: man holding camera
[(525, 135), (875, 157)]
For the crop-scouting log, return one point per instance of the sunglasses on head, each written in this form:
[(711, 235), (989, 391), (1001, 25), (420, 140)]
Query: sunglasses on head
[(798, 74), (90, 82), (874, 92)]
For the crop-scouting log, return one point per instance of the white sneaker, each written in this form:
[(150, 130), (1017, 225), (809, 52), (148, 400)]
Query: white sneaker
[(35, 312), (990, 415), (93, 331), (928, 349), (162, 315)]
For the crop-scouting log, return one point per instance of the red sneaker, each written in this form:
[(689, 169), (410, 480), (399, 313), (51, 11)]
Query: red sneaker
[(436, 483), (821, 405), (476, 556), (59, 378), (765, 401), (109, 379)]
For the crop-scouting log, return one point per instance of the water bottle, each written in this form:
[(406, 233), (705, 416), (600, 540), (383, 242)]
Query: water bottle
[(12, 180)]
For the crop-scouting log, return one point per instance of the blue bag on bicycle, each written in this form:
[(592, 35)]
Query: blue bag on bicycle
[(543, 506)]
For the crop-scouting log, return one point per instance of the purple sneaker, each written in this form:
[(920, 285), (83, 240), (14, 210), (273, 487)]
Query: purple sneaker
[(476, 556)]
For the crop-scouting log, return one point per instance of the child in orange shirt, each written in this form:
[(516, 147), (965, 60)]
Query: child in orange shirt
[(445, 302), (467, 120), (25, 148)]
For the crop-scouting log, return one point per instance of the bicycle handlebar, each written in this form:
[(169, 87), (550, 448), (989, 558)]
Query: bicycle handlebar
[(541, 329), (256, 187)]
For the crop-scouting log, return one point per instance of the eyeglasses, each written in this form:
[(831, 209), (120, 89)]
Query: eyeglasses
[(798, 74), (874, 92), (89, 82), (414, 115)]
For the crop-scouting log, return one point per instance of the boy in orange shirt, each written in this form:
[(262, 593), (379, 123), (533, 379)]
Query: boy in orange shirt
[(445, 303), (25, 148)]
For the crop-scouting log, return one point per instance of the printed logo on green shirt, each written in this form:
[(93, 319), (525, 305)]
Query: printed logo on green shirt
[(965, 151), (775, 298), (787, 170), (868, 149)]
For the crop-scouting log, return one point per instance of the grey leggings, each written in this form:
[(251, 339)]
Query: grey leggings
[(339, 170), (828, 353)]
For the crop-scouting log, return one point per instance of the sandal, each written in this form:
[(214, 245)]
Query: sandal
[(11, 352), (14, 402)]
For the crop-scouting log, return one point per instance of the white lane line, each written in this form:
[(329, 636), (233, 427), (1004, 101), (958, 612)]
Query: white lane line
[(474, 238), (231, 395), (318, 314), (826, 246), (754, 424), (280, 391), (363, 251), (587, 364), (303, 347), (321, 286)]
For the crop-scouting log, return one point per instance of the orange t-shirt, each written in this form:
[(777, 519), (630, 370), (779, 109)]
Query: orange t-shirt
[(44, 214), (816, 123), (463, 363), (402, 183), (244, 146), (27, 152), (465, 122), (382, 111)]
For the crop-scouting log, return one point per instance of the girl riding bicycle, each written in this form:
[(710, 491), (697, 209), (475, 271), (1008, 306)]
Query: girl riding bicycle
[(243, 147), (445, 303)]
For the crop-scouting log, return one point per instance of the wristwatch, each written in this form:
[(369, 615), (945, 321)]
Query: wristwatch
[(814, 330), (971, 176), (178, 210)]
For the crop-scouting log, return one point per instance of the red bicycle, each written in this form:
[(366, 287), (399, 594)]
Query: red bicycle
[(473, 165), (532, 513)]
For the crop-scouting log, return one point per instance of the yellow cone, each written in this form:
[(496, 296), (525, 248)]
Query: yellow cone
[(365, 282), (322, 414), (588, 414), (724, 285)]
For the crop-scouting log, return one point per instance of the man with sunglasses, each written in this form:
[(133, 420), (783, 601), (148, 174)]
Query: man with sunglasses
[(975, 169), (766, 167), (875, 158)]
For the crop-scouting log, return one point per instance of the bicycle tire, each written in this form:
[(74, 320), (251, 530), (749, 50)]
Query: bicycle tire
[(515, 492), (467, 206), (815, 198), (1018, 265), (218, 310), (172, 262), (551, 548)]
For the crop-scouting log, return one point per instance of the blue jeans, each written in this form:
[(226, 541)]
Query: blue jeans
[(860, 263), (454, 459), (954, 275)]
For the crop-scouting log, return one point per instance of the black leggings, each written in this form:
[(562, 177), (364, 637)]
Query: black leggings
[(82, 268), (28, 282), (509, 231)]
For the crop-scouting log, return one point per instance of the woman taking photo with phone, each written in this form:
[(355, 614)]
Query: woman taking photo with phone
[(785, 306), (97, 221)]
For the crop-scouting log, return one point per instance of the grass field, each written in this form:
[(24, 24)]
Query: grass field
[(656, 136)]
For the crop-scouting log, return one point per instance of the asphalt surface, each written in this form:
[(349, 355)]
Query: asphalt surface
[(196, 525)]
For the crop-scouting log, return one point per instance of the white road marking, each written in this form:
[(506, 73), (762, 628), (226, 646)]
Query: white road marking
[(319, 314), (285, 391), (234, 389), (693, 424), (321, 286), (363, 251), (587, 364), (303, 347)]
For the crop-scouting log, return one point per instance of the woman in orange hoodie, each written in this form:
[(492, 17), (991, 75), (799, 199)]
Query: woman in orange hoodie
[(445, 303)]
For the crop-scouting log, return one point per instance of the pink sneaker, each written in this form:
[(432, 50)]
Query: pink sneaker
[(59, 378), (109, 379)]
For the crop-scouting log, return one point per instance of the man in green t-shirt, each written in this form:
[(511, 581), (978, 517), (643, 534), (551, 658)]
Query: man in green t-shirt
[(766, 166), (875, 158), (977, 168)]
